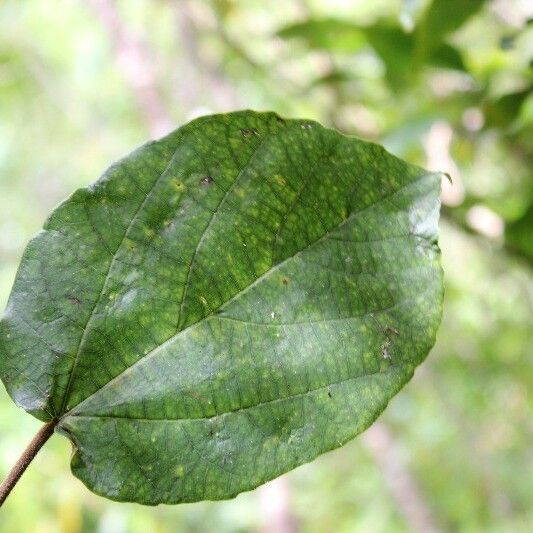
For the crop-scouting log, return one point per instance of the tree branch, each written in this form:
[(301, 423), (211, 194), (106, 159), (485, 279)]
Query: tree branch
[(274, 502), (402, 485), (135, 63), (202, 80)]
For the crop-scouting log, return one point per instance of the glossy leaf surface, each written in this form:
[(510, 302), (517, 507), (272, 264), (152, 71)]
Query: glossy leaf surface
[(225, 304)]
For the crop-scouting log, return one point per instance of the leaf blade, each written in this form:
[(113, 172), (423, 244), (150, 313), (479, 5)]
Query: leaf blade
[(273, 266)]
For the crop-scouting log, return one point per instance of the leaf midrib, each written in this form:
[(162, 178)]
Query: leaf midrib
[(209, 223), (249, 287), (148, 195), (388, 371)]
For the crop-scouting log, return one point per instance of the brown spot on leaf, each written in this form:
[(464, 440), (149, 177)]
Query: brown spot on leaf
[(245, 132), (206, 181)]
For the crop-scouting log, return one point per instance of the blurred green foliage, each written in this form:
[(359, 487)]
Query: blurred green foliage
[(442, 83)]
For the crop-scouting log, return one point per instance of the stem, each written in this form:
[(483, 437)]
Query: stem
[(25, 459), (135, 61)]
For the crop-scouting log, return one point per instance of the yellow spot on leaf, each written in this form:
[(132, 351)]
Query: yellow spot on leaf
[(280, 180)]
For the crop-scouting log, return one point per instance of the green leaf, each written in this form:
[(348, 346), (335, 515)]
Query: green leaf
[(335, 35), (225, 304), (395, 47), (447, 56), (335, 77), (505, 110), (446, 16), (518, 234), (397, 50)]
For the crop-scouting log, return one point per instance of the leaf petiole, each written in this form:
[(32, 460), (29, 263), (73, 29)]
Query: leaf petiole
[(25, 459)]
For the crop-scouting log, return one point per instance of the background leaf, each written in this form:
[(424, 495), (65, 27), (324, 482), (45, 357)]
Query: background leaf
[(225, 304), (518, 234), (443, 17), (395, 47), (330, 34)]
